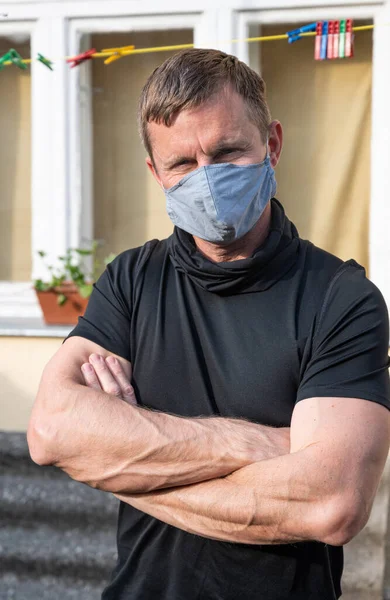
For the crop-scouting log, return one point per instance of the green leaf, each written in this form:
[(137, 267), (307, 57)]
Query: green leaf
[(86, 290), (83, 252), (41, 253), (109, 258), (61, 299), (41, 286)]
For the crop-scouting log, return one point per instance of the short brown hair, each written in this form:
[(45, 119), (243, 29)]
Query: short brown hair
[(189, 78)]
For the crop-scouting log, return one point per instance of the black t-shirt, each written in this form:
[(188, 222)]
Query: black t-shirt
[(250, 339)]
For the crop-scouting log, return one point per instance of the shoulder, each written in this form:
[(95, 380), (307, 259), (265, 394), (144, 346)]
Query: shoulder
[(350, 291), (126, 265)]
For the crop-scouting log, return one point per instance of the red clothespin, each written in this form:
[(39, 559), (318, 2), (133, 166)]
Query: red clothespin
[(349, 39), (78, 60), (329, 51), (336, 38), (317, 41)]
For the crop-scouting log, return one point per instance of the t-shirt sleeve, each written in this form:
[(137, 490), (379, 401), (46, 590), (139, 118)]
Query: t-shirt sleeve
[(107, 319), (348, 356)]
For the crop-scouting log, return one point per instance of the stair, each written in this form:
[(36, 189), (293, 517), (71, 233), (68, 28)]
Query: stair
[(57, 536)]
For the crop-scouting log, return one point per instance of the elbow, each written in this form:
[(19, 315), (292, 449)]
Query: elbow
[(40, 443), (43, 433), (341, 520)]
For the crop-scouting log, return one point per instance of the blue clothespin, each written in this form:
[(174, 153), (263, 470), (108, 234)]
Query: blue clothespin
[(295, 34), (293, 38), (324, 41)]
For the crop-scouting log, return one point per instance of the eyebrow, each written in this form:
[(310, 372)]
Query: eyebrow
[(223, 145)]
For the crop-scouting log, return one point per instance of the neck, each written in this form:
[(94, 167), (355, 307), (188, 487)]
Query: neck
[(239, 249)]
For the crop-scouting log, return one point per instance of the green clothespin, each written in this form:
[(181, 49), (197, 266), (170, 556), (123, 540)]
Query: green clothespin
[(17, 59), (45, 61), (343, 28), (4, 59)]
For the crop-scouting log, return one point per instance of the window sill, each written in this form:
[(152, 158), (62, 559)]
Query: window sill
[(21, 315), (32, 327)]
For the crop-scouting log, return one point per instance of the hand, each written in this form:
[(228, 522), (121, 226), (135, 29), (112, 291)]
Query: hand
[(108, 375)]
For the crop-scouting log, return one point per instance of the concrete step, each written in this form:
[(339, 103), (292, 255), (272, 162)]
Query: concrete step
[(88, 554), (57, 536), (13, 587), (15, 458), (60, 502)]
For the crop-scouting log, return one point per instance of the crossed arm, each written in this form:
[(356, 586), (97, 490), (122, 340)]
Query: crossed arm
[(219, 478)]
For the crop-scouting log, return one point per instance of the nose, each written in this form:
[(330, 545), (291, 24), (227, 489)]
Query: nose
[(203, 161)]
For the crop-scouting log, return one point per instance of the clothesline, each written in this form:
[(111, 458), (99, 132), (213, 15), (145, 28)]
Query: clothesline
[(128, 50)]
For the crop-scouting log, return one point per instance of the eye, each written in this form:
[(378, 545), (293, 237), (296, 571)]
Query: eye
[(180, 163), (226, 152)]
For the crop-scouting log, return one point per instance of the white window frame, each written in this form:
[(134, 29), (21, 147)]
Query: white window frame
[(59, 147), (16, 298), (81, 157), (379, 227), (59, 218)]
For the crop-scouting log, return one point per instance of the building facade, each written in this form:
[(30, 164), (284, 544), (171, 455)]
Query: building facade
[(72, 166)]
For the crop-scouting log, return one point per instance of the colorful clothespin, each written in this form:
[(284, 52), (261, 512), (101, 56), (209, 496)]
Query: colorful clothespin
[(295, 34), (3, 60), (349, 38), (14, 57), (324, 41), (329, 50), (343, 25), (45, 61), (317, 41), (118, 53), (336, 38), (80, 58)]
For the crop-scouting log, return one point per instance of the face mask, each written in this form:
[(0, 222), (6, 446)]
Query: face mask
[(221, 203)]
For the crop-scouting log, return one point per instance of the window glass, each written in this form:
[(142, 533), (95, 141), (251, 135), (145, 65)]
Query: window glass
[(325, 109), (129, 206), (15, 165)]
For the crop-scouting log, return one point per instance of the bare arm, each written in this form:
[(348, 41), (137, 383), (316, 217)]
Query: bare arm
[(113, 445), (322, 491)]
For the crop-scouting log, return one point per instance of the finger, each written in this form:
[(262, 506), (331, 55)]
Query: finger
[(90, 377), (127, 390), (106, 379)]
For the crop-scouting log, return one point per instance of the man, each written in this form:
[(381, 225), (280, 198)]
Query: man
[(248, 447)]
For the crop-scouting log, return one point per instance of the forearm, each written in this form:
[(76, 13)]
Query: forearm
[(283, 500), (109, 444)]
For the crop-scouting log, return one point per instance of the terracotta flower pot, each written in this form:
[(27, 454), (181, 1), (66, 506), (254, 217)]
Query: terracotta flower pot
[(68, 313)]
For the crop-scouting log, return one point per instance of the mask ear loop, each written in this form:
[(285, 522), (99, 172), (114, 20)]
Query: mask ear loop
[(267, 156)]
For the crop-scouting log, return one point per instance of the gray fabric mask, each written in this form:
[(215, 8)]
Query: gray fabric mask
[(220, 203)]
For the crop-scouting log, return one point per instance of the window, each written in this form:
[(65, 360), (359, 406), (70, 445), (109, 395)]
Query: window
[(15, 165), (325, 109), (128, 206)]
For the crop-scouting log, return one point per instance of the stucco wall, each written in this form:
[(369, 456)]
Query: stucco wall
[(21, 363)]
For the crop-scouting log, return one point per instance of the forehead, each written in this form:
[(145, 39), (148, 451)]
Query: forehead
[(224, 118)]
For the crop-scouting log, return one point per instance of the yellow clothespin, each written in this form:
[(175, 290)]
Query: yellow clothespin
[(118, 53)]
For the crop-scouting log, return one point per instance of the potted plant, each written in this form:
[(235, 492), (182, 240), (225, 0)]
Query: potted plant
[(64, 297)]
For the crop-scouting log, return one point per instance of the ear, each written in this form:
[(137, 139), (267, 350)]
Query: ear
[(153, 170), (275, 142)]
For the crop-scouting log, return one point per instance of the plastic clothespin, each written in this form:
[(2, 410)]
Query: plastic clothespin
[(349, 38), (343, 25), (4, 59), (14, 57), (293, 38), (336, 39), (324, 41), (295, 34), (80, 58), (45, 61), (317, 41), (118, 53), (329, 50)]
